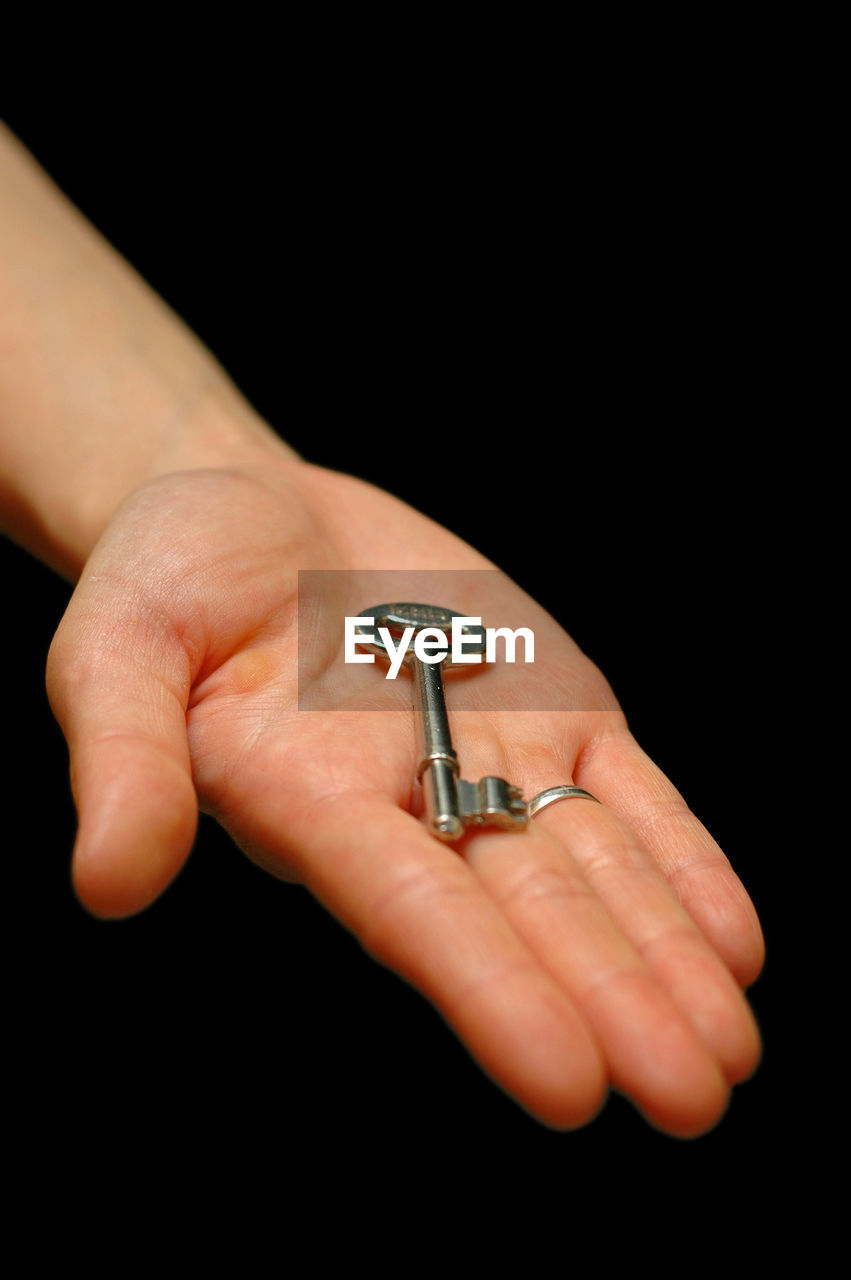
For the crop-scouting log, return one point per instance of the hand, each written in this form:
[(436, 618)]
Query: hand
[(606, 945)]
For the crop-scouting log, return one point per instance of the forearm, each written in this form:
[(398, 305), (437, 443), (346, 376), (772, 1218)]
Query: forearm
[(101, 386)]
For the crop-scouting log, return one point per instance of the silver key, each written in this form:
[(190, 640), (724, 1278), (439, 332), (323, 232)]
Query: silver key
[(451, 804)]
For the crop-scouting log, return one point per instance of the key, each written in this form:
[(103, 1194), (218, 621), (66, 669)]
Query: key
[(492, 802), (451, 804)]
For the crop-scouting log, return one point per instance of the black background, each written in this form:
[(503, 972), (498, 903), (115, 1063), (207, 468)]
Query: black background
[(556, 348)]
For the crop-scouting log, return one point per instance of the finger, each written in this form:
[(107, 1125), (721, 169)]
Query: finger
[(636, 895), (654, 1052), (640, 902), (118, 682), (617, 771), (417, 908)]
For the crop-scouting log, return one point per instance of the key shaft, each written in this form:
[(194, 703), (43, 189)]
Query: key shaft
[(438, 763)]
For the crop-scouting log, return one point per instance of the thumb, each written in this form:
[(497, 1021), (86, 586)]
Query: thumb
[(118, 680)]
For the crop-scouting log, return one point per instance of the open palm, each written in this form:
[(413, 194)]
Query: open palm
[(606, 945)]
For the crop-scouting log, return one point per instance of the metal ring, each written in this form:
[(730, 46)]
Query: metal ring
[(448, 757), (552, 794)]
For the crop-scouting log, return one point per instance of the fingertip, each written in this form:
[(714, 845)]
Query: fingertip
[(546, 1058), (134, 837), (747, 961), (720, 906), (565, 1095), (737, 1043), (697, 1123), (575, 1102), (692, 1113)]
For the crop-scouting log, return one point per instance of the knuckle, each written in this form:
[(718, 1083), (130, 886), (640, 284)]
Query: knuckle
[(542, 882), (392, 916), (663, 812), (614, 854)]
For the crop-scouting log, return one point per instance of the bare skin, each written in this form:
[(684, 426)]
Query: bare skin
[(608, 949)]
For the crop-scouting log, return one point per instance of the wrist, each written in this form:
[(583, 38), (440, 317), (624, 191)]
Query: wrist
[(59, 510)]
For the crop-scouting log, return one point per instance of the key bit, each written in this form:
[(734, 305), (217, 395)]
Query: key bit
[(492, 802)]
